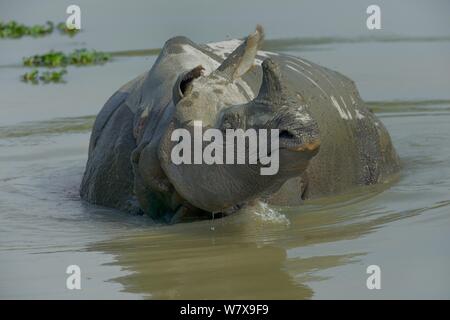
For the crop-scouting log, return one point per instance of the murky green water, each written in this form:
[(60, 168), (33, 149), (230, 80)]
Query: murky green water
[(320, 250)]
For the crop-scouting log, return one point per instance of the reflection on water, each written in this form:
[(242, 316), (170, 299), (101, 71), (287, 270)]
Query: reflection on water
[(246, 256), (319, 250), (233, 261)]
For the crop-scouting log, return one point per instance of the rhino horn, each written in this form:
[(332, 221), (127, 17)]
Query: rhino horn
[(242, 58), (273, 89)]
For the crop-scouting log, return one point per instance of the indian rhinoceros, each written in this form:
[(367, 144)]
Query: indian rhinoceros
[(329, 141)]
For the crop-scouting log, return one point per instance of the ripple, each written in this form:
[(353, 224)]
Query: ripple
[(48, 127)]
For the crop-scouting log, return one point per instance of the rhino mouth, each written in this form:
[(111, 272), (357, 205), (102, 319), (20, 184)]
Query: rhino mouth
[(291, 141)]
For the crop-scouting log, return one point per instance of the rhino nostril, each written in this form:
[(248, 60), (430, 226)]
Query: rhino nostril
[(286, 134)]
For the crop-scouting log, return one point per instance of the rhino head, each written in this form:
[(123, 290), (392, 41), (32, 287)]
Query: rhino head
[(217, 102)]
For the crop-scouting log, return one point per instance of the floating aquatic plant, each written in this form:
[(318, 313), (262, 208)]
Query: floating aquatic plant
[(59, 59), (32, 76), (62, 27), (35, 76), (51, 59), (14, 30), (53, 76), (84, 57)]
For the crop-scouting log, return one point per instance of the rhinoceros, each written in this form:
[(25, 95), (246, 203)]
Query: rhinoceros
[(329, 141)]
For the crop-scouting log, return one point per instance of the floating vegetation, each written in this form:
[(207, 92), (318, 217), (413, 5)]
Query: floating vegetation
[(79, 57), (51, 59), (53, 76), (35, 76), (15, 30), (62, 27), (32, 76), (84, 57)]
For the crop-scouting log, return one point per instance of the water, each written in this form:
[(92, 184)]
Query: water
[(320, 250)]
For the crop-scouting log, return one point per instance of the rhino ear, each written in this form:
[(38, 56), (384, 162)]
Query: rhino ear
[(273, 89), (242, 58), (183, 82)]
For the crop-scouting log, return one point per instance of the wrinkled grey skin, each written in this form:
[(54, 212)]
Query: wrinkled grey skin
[(329, 140)]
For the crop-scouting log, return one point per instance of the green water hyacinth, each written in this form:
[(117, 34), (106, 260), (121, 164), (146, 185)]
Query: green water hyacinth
[(79, 57), (86, 57), (35, 76), (62, 27), (15, 30), (32, 76)]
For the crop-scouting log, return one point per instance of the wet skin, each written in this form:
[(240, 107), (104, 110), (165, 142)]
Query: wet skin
[(329, 140)]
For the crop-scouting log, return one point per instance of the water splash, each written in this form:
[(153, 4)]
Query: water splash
[(267, 214)]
